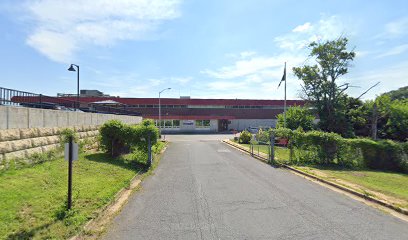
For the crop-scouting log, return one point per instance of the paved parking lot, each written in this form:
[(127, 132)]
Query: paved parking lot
[(204, 189)]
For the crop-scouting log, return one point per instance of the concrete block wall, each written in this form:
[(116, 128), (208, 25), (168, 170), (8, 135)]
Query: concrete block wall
[(20, 117), (18, 145)]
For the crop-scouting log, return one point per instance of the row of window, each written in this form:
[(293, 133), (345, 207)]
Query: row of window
[(176, 123), (204, 106)]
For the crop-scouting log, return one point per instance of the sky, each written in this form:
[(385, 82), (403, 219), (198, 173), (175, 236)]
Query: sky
[(203, 49)]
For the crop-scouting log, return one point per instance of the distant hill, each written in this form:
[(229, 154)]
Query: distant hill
[(400, 93)]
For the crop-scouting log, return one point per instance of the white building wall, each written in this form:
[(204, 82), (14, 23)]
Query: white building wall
[(241, 124)]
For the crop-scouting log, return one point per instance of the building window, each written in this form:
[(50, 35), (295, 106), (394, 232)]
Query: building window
[(202, 123), (176, 123)]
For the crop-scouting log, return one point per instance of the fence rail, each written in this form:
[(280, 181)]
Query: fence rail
[(12, 97)]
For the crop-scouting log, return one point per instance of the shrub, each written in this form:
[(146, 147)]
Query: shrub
[(245, 137), (65, 134), (262, 136), (296, 116), (118, 138), (383, 154), (114, 137), (147, 122), (316, 147)]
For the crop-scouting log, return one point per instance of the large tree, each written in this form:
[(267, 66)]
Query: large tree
[(296, 117), (320, 84)]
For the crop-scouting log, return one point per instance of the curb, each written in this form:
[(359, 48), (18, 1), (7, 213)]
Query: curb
[(365, 197)]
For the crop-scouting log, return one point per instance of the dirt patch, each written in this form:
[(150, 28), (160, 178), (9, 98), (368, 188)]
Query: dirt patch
[(358, 174)]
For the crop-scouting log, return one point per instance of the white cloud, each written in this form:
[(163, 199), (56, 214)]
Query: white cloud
[(397, 28), (254, 65), (326, 28), (391, 78), (394, 51), (181, 80), (247, 54), (64, 27), (303, 28), (253, 75)]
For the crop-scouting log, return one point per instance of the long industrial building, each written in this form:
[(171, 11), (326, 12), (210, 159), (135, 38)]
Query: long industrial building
[(185, 114), (182, 114)]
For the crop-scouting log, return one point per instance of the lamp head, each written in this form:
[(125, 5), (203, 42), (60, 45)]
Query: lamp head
[(71, 68)]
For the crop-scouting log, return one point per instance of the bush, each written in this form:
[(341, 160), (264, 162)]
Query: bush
[(245, 137), (324, 148), (383, 154), (66, 134), (262, 136), (114, 136), (296, 117), (118, 138)]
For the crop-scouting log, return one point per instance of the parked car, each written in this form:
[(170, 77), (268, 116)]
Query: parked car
[(252, 129)]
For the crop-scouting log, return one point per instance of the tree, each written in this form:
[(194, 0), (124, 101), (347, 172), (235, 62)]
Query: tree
[(400, 93), (320, 84), (297, 117), (391, 118)]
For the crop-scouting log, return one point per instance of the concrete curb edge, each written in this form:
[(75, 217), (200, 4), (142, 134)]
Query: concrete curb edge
[(365, 197), (133, 184)]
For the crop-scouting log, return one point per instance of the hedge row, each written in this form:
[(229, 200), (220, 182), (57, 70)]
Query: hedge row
[(118, 138), (324, 148)]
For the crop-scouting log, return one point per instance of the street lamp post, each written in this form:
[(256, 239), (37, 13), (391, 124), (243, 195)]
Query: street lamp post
[(72, 69), (160, 110)]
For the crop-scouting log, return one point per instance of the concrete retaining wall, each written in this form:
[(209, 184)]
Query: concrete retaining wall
[(21, 117), (17, 146)]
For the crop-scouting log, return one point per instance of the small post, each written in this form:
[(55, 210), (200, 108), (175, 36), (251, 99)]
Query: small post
[(272, 147), (149, 150), (70, 158), (374, 122), (258, 149), (41, 105)]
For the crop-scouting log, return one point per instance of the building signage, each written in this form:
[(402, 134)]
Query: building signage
[(188, 122)]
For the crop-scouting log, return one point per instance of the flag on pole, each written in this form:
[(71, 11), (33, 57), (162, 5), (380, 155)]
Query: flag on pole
[(283, 77)]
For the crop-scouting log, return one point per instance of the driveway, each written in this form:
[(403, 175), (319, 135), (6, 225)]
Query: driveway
[(204, 189)]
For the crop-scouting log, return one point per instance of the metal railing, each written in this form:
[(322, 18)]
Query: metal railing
[(12, 97)]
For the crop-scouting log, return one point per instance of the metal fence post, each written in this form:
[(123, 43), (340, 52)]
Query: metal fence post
[(70, 157), (272, 146), (149, 150)]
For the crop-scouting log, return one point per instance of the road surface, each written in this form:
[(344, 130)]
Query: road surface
[(204, 189)]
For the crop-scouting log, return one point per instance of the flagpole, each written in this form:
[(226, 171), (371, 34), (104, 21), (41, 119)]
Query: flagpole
[(284, 106)]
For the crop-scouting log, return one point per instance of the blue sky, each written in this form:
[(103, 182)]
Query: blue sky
[(206, 49)]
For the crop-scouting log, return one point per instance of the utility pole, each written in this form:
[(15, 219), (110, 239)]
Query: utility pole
[(374, 122), (284, 105)]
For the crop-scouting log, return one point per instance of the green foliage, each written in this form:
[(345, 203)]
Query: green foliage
[(396, 126), (322, 148), (383, 154), (392, 118), (148, 122), (296, 117), (118, 138), (245, 137), (262, 136), (399, 94), (33, 200), (114, 137), (320, 87), (66, 134)]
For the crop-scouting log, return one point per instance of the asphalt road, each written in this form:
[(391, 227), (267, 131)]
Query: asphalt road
[(204, 189)]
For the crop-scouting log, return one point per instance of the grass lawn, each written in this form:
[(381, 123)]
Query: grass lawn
[(394, 186), (33, 200), (281, 153), (388, 183)]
